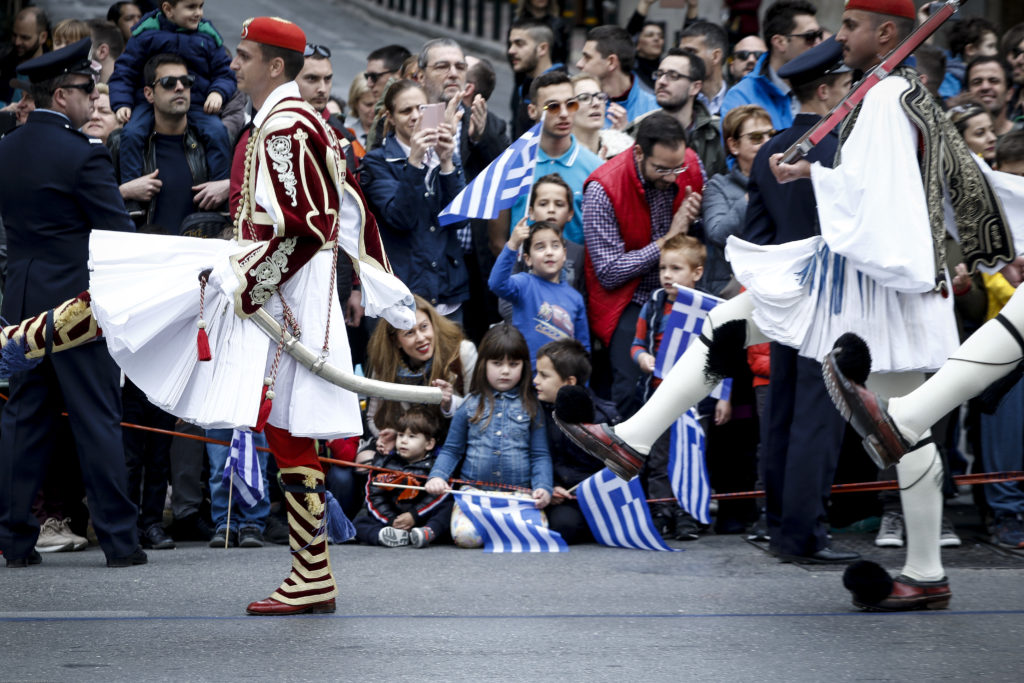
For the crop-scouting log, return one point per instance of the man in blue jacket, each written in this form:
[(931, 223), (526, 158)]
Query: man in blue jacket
[(61, 188), (790, 29)]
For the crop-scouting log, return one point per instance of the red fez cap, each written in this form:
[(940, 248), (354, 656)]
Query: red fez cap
[(896, 8), (274, 31)]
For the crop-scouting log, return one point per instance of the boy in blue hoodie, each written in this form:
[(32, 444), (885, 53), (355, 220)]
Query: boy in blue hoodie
[(177, 28)]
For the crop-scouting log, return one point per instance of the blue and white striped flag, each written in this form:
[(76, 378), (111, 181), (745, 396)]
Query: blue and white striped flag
[(687, 468), (617, 512), (499, 185), (682, 327), (244, 461), (509, 525)]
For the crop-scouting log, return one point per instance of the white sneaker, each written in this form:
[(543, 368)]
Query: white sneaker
[(890, 532), (948, 537), (392, 537), (51, 538), (81, 542)]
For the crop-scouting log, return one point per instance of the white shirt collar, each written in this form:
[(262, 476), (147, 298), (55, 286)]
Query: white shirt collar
[(285, 90)]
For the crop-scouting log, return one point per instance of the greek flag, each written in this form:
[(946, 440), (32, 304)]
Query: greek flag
[(499, 185), (686, 467), (509, 525), (617, 512), (682, 327), (244, 462)]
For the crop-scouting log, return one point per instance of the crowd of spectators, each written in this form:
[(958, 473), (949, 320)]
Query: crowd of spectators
[(649, 134)]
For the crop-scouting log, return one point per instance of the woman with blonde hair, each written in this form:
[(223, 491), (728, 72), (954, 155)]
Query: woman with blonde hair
[(361, 104)]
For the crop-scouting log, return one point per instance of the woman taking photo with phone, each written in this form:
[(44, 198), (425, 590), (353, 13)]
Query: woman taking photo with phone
[(408, 180)]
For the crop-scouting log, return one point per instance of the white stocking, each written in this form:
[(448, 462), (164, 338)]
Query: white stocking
[(685, 384), (920, 479), (987, 355)]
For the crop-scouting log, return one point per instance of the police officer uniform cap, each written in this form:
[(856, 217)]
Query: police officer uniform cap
[(71, 59)]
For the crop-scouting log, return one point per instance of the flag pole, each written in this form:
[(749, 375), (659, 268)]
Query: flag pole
[(533, 176), (231, 490), (481, 494)]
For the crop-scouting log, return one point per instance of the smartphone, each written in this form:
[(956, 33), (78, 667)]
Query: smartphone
[(431, 115)]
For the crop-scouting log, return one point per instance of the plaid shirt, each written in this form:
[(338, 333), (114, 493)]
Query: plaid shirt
[(613, 265)]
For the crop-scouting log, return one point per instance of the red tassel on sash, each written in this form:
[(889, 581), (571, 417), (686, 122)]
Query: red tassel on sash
[(203, 345), (266, 403)]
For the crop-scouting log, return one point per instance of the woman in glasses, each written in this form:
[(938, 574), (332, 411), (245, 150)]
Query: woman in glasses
[(745, 129), (588, 122), (408, 180)]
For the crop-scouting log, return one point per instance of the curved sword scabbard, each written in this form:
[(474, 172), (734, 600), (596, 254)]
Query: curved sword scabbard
[(338, 377)]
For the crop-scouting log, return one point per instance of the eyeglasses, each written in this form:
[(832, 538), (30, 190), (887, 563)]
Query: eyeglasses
[(670, 75), (588, 97), (744, 55), (810, 37), (571, 106), (171, 82), (373, 77), (758, 136), (320, 50), (661, 170), (445, 67), (86, 87)]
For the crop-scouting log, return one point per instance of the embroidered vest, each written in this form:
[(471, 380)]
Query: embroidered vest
[(945, 160)]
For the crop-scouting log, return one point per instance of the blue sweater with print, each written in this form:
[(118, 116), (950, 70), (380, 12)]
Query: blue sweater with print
[(542, 311)]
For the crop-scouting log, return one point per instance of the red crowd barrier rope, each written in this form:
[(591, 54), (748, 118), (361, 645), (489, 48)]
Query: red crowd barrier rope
[(858, 487)]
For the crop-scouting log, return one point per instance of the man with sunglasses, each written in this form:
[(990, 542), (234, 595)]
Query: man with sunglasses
[(552, 98), (790, 29), (179, 176), (745, 54), (61, 187), (315, 81)]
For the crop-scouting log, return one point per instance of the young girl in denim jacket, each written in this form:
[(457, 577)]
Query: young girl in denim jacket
[(497, 434)]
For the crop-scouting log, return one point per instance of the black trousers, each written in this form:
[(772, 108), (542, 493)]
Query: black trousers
[(624, 371), (147, 455), (804, 434), (85, 382)]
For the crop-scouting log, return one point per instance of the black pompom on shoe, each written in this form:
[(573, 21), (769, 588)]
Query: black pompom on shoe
[(727, 353), (853, 358), (573, 405), (868, 581)]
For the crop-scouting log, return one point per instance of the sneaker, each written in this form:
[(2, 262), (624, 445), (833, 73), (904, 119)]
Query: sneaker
[(890, 531), (759, 532), (1007, 532), (276, 530), (51, 539), (81, 542), (665, 525), (421, 537), (218, 538), (948, 538), (192, 528), (250, 537), (392, 537), (156, 538), (687, 528)]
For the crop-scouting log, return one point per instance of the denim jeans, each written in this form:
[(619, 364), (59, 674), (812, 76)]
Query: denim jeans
[(240, 515), (1002, 438)]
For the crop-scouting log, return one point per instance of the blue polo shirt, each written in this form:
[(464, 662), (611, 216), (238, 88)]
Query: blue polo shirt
[(574, 166)]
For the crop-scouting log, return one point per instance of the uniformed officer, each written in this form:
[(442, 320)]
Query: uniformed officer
[(56, 185), (804, 433)]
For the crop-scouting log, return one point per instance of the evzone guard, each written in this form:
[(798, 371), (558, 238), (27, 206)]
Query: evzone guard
[(164, 304), (876, 270)]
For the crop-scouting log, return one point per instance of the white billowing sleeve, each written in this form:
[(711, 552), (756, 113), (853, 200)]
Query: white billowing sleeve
[(872, 207)]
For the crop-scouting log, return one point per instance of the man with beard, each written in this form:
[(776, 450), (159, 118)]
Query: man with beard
[(677, 86), (529, 55), (28, 41), (745, 54)]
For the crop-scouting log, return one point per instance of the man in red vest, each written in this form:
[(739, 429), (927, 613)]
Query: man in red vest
[(632, 205)]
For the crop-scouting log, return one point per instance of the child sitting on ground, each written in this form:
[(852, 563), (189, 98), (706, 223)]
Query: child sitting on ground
[(497, 434), (177, 27), (565, 364), (681, 263), (397, 517), (544, 307)]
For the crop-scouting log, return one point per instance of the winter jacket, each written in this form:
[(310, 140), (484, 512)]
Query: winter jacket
[(570, 462), (425, 255), (724, 211), (757, 88), (202, 49), (385, 504)]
